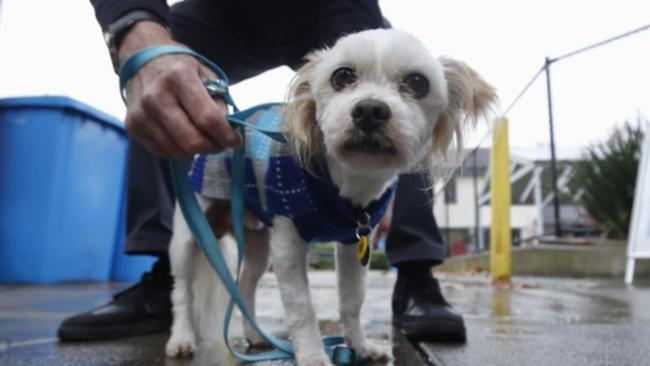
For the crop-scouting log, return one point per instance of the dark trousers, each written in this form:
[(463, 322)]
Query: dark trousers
[(246, 46)]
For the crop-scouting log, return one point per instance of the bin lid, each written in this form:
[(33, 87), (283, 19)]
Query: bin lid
[(61, 102)]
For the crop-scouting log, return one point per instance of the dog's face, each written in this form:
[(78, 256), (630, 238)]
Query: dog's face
[(378, 100)]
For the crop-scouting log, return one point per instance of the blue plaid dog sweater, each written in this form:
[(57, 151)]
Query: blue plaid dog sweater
[(275, 184)]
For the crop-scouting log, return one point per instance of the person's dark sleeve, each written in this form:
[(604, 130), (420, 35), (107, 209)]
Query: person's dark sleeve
[(107, 11), (341, 17)]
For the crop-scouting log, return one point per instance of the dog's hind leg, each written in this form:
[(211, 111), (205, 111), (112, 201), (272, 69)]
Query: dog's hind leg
[(352, 291), (256, 261), (182, 256)]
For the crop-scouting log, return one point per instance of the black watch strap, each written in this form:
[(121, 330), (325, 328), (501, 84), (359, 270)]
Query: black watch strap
[(116, 31)]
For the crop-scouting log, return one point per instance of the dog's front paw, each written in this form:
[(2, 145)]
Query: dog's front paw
[(253, 338), (313, 359), (374, 352), (180, 345)]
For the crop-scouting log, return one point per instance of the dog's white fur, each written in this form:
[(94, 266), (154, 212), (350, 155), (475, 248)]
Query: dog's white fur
[(421, 133)]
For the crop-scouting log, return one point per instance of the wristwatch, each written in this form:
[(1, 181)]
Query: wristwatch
[(117, 30)]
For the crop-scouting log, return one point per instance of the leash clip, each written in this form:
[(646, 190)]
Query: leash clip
[(363, 228), (216, 88), (344, 356)]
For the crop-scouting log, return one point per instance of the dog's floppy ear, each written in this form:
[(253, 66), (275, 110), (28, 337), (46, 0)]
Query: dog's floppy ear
[(301, 128), (470, 97)]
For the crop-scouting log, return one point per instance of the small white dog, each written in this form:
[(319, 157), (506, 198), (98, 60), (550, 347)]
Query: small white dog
[(375, 105)]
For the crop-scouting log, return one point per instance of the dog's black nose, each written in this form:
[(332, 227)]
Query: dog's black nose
[(370, 114)]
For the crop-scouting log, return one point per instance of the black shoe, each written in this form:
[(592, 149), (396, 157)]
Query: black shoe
[(421, 312), (144, 308)]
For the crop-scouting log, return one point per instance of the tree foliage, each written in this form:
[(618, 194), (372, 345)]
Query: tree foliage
[(606, 177)]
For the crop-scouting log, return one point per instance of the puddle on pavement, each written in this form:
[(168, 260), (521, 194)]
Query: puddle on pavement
[(516, 305), (501, 303)]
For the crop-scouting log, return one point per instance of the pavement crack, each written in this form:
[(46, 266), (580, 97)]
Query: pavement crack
[(428, 357)]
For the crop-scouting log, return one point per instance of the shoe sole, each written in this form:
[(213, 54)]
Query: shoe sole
[(434, 330), (85, 334)]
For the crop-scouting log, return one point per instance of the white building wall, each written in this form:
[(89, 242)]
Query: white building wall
[(461, 214)]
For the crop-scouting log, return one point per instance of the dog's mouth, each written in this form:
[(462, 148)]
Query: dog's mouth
[(375, 144)]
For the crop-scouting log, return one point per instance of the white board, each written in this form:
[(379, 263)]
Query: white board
[(638, 244)]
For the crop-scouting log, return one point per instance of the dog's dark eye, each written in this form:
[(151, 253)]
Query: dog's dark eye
[(343, 77), (416, 84)]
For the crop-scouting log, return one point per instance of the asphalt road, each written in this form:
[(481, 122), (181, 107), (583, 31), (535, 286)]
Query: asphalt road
[(538, 321)]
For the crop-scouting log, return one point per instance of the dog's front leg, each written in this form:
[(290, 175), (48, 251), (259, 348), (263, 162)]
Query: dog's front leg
[(182, 341), (289, 258), (352, 291)]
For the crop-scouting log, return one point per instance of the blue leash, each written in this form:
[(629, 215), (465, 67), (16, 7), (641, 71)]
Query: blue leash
[(334, 346)]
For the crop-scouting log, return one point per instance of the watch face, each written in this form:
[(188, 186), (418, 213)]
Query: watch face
[(117, 29)]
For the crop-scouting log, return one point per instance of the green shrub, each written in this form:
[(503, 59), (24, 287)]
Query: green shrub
[(379, 260), (322, 257), (605, 180)]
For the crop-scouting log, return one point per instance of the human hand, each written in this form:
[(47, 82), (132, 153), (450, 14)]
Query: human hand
[(169, 110)]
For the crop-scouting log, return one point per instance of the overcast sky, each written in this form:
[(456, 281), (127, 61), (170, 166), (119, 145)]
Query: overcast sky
[(56, 47)]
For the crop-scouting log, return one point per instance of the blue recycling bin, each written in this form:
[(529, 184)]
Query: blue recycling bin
[(62, 166)]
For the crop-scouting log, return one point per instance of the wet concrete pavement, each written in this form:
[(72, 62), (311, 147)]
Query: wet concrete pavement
[(542, 321), (538, 321)]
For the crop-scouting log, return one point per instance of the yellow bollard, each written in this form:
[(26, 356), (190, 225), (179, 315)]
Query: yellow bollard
[(500, 234)]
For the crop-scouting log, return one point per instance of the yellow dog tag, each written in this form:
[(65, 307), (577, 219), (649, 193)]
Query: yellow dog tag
[(363, 250)]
